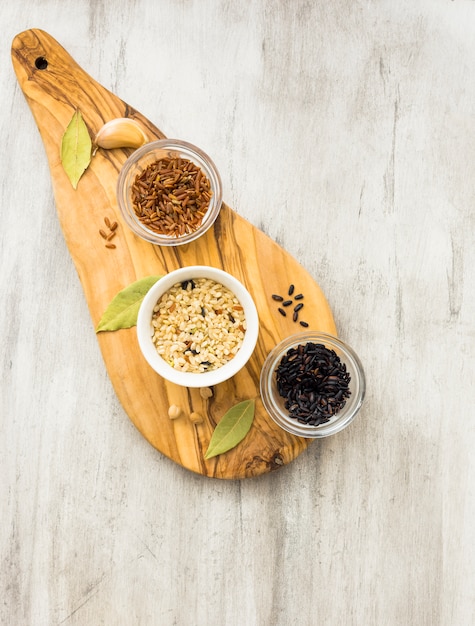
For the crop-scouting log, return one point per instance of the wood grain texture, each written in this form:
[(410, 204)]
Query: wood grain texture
[(344, 131), (55, 87)]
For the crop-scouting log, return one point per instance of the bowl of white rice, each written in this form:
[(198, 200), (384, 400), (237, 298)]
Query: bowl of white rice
[(197, 326)]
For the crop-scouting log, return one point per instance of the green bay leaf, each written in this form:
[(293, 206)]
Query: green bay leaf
[(232, 428), (124, 307), (76, 147)]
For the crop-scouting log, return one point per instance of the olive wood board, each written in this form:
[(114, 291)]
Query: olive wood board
[(55, 87)]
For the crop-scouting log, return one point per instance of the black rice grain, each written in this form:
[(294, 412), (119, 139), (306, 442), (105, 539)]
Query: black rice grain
[(314, 382), (289, 302)]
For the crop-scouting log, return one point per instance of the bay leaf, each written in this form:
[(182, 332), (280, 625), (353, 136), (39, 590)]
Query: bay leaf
[(76, 148), (124, 307), (232, 428)]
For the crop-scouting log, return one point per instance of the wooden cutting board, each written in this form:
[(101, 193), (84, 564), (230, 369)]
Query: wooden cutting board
[(55, 86)]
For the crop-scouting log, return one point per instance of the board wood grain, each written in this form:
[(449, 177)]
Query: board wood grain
[(55, 86)]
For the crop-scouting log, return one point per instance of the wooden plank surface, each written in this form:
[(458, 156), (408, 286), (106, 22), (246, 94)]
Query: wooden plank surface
[(54, 91), (344, 131)]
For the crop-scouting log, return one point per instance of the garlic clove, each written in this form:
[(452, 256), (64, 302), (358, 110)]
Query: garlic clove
[(122, 132)]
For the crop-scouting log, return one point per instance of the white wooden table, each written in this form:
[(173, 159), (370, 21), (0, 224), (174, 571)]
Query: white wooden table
[(346, 131)]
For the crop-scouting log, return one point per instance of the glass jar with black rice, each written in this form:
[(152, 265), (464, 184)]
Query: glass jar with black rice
[(314, 383)]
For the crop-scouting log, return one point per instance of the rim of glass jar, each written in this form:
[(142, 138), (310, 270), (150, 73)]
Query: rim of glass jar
[(125, 180), (269, 391)]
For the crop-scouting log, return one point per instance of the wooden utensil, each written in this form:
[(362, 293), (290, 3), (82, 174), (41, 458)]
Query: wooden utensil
[(55, 86)]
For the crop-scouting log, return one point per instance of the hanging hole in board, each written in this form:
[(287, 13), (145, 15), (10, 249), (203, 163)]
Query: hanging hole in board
[(41, 63)]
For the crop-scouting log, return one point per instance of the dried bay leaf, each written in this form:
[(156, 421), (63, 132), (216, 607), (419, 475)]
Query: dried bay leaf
[(232, 428), (124, 307), (76, 148)]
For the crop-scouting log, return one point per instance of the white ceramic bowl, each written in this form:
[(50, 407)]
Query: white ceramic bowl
[(190, 379)]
